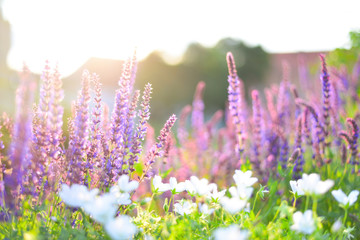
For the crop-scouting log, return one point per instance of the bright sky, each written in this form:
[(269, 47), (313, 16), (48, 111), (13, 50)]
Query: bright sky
[(71, 31)]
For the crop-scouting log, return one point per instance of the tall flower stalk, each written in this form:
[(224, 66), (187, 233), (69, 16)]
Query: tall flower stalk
[(20, 145), (236, 102), (326, 98), (157, 150), (79, 146)]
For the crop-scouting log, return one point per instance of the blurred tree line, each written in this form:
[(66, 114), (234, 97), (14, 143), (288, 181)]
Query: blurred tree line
[(174, 85), (347, 56)]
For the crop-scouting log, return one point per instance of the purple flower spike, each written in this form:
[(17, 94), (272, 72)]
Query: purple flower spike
[(157, 149), (42, 124), (119, 118), (182, 133), (19, 148), (236, 102), (79, 145), (144, 115), (326, 95), (319, 129), (299, 161), (306, 127), (354, 130), (56, 123), (257, 130), (197, 117), (283, 99), (129, 128)]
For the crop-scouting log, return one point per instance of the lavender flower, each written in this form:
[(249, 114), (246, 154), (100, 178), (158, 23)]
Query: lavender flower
[(306, 127), (96, 130), (236, 102), (319, 130), (299, 161), (283, 99), (141, 129), (41, 137), (354, 130), (156, 150), (257, 130), (284, 151), (80, 144), (182, 133), (19, 149), (119, 118), (326, 95), (55, 120), (197, 117), (129, 128)]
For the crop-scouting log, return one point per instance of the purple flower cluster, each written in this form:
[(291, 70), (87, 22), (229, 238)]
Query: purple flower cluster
[(98, 150), (281, 135)]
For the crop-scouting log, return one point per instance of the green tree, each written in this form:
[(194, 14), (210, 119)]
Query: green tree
[(347, 57), (174, 85)]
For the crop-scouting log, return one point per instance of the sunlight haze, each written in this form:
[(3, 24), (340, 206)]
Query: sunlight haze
[(70, 32)]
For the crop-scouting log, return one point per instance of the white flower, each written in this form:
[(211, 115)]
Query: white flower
[(53, 218), (77, 195), (244, 178), (336, 226), (176, 187), (216, 196), (233, 205), (184, 207), (159, 186), (190, 188), (204, 209), (312, 185), (103, 208), (347, 201), (296, 187), (241, 192), (120, 228), (201, 186), (125, 185), (122, 198), (303, 223), (230, 233)]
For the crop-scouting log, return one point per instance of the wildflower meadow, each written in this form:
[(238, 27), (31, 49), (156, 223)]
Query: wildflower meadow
[(284, 165)]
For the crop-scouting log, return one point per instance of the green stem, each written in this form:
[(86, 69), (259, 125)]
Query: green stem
[(277, 213), (171, 202), (294, 203), (256, 197), (314, 206), (152, 197), (307, 203), (345, 216)]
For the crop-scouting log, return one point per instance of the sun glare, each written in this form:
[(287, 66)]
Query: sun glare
[(70, 32), (79, 29)]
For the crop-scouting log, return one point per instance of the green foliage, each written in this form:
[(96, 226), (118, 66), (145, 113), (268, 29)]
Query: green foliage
[(175, 84), (346, 57)]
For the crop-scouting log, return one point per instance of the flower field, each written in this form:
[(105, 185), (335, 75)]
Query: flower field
[(284, 165)]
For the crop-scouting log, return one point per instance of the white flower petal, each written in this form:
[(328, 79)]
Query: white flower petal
[(340, 196), (120, 228), (353, 197)]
